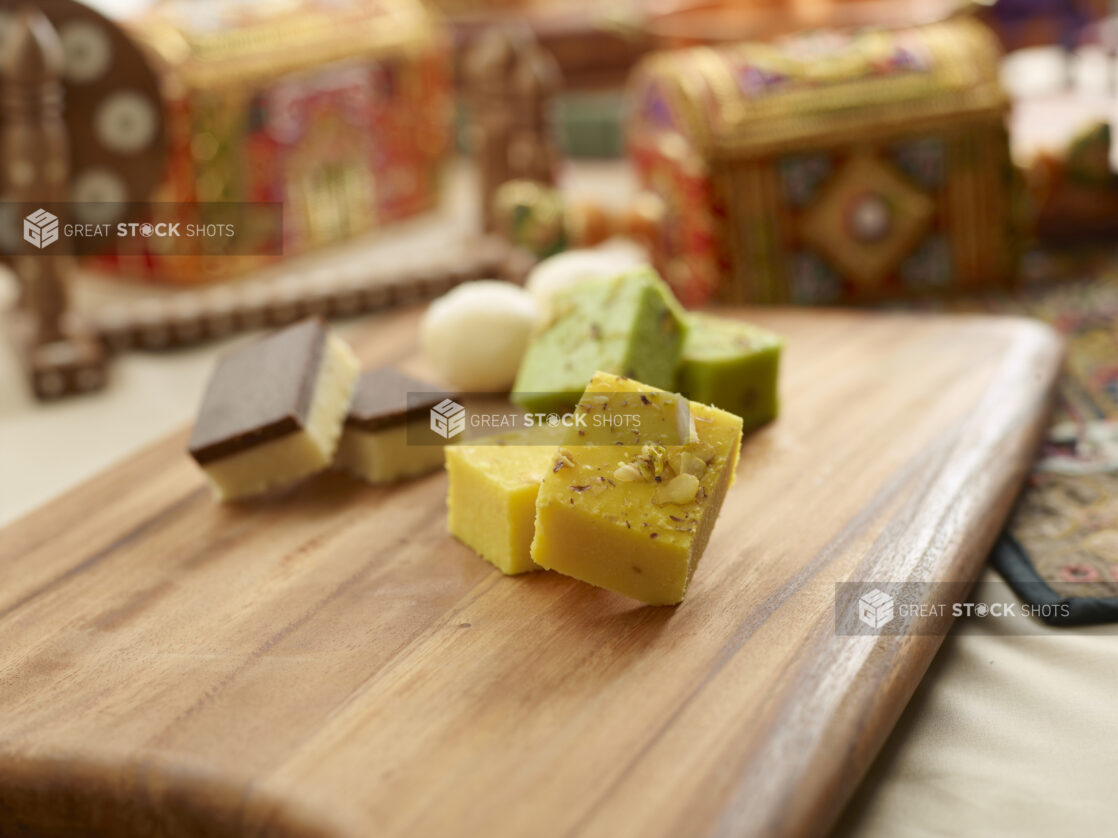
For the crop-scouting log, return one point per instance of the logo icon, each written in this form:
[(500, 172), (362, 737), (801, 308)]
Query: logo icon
[(40, 228), (448, 418), (875, 609)]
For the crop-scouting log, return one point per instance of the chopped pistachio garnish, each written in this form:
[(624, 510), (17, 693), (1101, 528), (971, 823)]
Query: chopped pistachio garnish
[(684, 462), (565, 460), (627, 473), (655, 456), (704, 451), (680, 489)]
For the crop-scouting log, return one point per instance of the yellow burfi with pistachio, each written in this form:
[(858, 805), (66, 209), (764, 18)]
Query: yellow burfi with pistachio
[(491, 494), (633, 512)]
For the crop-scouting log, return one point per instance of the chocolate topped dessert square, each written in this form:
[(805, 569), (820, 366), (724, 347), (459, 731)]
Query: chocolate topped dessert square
[(273, 410), (387, 434), (387, 397)]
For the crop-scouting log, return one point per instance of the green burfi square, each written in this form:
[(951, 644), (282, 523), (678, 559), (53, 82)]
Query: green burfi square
[(733, 366), (627, 325)]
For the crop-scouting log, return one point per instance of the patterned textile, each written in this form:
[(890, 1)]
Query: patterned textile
[(1062, 541)]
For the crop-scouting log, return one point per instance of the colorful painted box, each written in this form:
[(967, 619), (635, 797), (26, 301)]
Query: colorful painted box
[(338, 109), (828, 168)]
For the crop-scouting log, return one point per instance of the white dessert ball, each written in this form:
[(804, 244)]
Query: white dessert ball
[(475, 335), (565, 270)]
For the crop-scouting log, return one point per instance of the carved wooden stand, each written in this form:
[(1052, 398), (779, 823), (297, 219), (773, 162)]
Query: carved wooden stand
[(510, 86), (59, 355)]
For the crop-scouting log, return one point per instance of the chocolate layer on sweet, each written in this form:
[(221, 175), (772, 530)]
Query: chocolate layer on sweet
[(381, 399), (259, 392)]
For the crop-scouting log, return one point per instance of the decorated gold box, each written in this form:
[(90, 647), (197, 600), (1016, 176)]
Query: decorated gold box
[(831, 167), (338, 109)]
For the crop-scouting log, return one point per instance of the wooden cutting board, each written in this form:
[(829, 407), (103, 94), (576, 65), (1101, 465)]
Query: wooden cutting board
[(333, 664)]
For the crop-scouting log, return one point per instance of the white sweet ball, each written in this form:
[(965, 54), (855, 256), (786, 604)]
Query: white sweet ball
[(564, 270), (475, 335)]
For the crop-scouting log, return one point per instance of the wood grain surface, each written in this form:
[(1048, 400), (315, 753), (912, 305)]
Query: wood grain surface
[(333, 664)]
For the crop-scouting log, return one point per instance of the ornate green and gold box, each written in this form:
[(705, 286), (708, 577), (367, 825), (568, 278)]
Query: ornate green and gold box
[(830, 167)]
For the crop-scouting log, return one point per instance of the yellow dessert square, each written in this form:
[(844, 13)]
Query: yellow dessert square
[(634, 517), (491, 495), (385, 456)]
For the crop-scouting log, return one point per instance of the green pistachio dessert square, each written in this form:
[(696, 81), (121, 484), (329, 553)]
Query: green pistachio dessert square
[(627, 325), (733, 366)]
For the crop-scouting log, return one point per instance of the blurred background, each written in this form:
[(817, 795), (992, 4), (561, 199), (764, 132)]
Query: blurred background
[(876, 153), (364, 117)]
